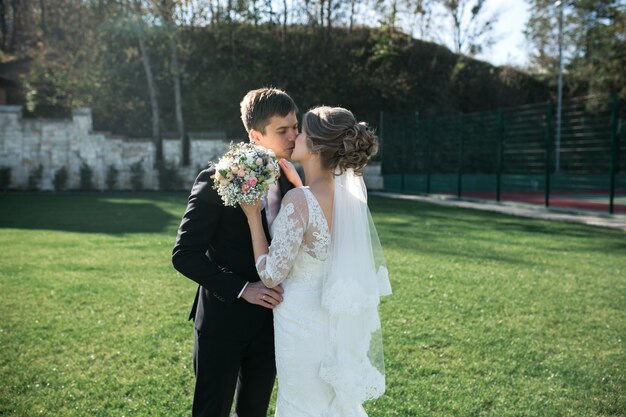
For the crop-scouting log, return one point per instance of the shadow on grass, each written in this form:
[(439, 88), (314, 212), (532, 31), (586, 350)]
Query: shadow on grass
[(435, 228), (115, 213)]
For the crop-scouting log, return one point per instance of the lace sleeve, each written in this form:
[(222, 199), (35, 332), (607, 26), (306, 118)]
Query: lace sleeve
[(288, 228)]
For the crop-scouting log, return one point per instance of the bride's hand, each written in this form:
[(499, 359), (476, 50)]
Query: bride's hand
[(251, 209), (290, 172)]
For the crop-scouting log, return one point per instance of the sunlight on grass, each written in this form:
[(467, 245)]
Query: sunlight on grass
[(491, 315)]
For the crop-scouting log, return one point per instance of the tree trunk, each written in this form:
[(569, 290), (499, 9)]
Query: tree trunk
[(42, 6), (284, 31), (255, 13), (15, 24), (270, 11), (230, 23), (309, 15), (229, 10), (458, 36), (180, 125), (352, 8), (167, 13), (215, 12), (329, 17), (3, 25), (394, 13), (156, 133)]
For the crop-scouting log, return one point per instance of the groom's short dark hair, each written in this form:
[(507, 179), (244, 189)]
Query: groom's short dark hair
[(259, 106)]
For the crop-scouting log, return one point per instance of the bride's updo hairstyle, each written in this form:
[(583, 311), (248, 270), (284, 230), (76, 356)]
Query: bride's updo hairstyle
[(341, 141)]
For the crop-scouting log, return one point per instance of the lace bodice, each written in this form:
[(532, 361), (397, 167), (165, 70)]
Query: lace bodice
[(300, 232)]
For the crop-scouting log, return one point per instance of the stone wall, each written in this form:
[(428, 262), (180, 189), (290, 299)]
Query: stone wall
[(26, 144)]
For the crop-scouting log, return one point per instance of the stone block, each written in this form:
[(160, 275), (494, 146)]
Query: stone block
[(372, 176), (82, 119)]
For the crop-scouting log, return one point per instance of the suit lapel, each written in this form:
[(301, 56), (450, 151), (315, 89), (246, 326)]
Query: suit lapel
[(284, 184), (266, 228)]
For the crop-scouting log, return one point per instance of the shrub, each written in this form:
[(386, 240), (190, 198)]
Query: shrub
[(112, 175), (169, 177), (5, 178), (86, 177), (60, 179), (34, 178), (136, 175)]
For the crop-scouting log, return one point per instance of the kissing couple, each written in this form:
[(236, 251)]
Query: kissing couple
[(288, 285)]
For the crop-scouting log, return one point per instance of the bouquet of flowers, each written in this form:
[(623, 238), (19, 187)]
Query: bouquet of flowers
[(245, 173)]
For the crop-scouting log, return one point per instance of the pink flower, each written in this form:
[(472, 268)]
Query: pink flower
[(245, 188), (270, 167), (252, 181)]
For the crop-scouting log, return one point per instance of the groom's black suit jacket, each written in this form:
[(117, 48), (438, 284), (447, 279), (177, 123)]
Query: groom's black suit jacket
[(214, 248)]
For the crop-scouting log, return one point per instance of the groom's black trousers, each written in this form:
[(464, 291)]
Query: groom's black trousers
[(218, 366), (233, 337)]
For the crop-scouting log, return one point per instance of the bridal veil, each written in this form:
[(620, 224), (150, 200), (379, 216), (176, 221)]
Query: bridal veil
[(355, 280)]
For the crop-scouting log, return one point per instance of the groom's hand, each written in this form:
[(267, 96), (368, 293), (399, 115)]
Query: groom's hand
[(257, 293)]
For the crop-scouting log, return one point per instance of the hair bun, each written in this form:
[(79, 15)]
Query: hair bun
[(360, 144), (342, 142)]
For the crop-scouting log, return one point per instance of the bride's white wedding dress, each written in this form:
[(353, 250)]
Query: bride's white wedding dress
[(309, 383)]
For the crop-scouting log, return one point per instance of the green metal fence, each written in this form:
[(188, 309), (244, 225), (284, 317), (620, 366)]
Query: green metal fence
[(513, 154)]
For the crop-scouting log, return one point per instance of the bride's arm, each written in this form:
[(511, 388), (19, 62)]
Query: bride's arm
[(259, 241), (274, 263)]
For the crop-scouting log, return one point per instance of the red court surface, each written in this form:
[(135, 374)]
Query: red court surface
[(597, 201)]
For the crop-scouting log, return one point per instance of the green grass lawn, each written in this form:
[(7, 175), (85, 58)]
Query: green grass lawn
[(491, 315)]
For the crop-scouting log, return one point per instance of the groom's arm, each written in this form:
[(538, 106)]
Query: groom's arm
[(197, 229)]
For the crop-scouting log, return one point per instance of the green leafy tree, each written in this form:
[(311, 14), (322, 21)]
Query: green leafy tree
[(60, 179), (86, 177), (34, 178), (5, 178), (594, 34), (112, 177), (137, 173), (169, 177)]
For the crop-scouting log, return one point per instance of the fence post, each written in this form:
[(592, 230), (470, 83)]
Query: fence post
[(381, 124), (404, 149), (415, 142), (614, 151), (500, 154), (548, 146), (380, 143), (428, 155), (460, 172)]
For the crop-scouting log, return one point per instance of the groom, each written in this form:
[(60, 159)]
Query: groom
[(232, 311)]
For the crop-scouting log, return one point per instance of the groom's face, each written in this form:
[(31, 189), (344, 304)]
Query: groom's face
[(279, 135)]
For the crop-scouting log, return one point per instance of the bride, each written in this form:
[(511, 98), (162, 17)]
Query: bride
[(326, 254)]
